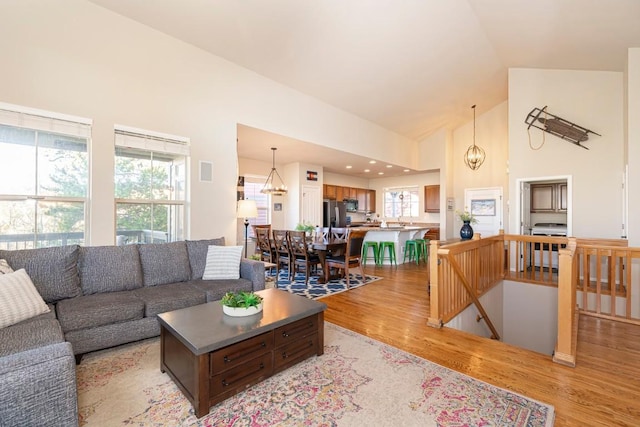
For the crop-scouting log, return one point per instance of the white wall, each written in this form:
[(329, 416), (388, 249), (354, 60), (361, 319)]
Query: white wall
[(493, 138), (633, 160), (492, 302), (345, 180), (73, 57), (530, 316), (594, 100)]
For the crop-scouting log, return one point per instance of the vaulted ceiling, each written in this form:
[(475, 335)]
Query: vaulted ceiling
[(411, 66)]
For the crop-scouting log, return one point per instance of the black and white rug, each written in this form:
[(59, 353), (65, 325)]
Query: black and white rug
[(314, 290)]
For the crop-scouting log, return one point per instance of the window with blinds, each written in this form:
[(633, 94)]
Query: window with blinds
[(150, 186), (44, 178), (401, 202), (252, 187)]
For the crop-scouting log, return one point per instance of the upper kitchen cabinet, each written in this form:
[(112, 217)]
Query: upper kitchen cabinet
[(549, 197), (341, 194), (371, 201), (432, 198), (329, 192)]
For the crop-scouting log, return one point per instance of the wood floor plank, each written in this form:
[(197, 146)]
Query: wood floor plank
[(602, 390)]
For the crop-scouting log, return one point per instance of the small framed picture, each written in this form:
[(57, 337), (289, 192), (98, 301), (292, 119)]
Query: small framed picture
[(312, 176), (240, 195), (277, 206), (483, 207), (241, 181)]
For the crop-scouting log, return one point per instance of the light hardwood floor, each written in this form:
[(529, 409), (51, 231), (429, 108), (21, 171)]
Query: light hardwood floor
[(603, 390)]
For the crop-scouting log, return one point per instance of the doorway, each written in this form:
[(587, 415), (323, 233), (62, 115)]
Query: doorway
[(544, 200)]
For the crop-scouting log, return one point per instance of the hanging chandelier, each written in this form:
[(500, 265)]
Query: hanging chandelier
[(271, 187), (474, 157)]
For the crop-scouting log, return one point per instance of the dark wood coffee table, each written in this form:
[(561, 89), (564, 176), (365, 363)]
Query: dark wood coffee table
[(212, 356)]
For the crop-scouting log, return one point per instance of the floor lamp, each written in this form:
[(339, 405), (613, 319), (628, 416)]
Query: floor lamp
[(247, 209)]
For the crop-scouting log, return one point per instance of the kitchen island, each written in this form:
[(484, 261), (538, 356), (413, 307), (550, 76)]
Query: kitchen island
[(397, 234)]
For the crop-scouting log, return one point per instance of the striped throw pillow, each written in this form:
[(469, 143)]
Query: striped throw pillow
[(19, 299), (5, 267), (223, 262)]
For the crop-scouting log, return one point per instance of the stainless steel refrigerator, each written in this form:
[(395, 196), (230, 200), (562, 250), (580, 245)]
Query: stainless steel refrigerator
[(334, 214)]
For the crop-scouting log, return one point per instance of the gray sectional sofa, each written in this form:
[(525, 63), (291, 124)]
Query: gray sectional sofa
[(99, 297)]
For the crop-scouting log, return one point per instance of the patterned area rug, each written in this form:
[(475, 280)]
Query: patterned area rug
[(314, 290), (357, 382)]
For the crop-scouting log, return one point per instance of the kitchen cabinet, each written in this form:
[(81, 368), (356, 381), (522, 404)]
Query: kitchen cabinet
[(549, 197), (432, 198), (371, 201), (433, 233), (352, 193), (361, 195), (329, 192), (340, 193)]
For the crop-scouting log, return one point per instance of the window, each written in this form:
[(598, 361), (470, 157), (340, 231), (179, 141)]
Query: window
[(150, 186), (44, 177), (401, 202), (252, 187)]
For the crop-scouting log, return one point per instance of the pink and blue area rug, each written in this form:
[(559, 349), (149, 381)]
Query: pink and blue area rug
[(357, 382), (315, 290)]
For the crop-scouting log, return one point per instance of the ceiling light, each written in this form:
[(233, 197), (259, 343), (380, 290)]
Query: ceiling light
[(474, 157), (389, 166), (406, 170), (271, 187), (373, 162), (367, 170), (349, 166), (380, 173)]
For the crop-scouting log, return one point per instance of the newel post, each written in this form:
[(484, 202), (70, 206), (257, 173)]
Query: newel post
[(565, 352), (435, 316)]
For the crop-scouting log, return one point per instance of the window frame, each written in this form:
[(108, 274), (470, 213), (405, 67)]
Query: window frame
[(413, 192)]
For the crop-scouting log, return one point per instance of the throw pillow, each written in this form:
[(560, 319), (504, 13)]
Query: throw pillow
[(19, 299), (223, 262), (5, 267)]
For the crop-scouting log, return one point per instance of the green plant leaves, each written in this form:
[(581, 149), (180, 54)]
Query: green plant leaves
[(241, 299)]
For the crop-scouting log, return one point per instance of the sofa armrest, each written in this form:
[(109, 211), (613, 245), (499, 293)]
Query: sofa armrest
[(39, 387), (254, 271)]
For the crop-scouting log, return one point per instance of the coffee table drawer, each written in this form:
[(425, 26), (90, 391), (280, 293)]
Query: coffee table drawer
[(294, 352), (296, 330), (235, 354), (240, 377)]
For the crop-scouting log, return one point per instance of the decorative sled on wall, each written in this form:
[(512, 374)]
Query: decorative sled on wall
[(564, 129)]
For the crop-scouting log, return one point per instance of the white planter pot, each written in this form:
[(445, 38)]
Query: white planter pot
[(241, 311)]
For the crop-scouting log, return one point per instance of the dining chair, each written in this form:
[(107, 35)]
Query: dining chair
[(301, 255), (265, 245), (352, 257), (283, 253)]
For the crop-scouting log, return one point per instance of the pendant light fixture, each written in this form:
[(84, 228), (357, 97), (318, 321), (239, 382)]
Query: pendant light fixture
[(474, 157), (270, 186)]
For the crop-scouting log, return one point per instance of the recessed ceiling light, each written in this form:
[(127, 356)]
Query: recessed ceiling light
[(406, 170), (367, 170), (380, 173), (349, 166), (389, 166), (373, 162)]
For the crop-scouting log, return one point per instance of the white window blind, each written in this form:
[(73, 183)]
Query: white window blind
[(151, 141), (31, 118)]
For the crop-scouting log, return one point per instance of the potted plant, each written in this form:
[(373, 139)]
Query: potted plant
[(303, 226), (467, 218), (241, 303)]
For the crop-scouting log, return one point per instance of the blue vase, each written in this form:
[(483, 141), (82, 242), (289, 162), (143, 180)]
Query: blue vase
[(466, 232)]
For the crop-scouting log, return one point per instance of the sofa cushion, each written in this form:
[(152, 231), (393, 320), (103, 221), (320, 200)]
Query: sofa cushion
[(164, 263), (173, 296), (90, 311), (19, 299), (109, 269), (215, 289), (197, 250), (223, 262), (27, 335), (52, 270)]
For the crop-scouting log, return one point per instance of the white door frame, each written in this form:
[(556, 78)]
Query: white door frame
[(519, 214)]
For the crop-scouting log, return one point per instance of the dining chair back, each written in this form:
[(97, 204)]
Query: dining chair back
[(282, 251), (352, 257), (265, 246), (301, 254)]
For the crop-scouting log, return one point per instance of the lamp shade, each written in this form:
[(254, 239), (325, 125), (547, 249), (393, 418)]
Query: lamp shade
[(247, 209)]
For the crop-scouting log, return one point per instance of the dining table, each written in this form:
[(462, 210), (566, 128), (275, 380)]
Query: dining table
[(324, 246)]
